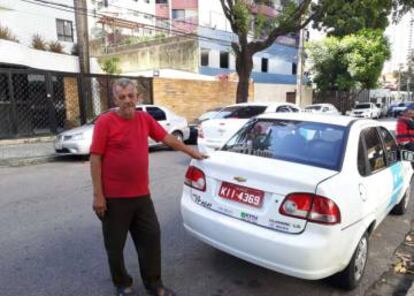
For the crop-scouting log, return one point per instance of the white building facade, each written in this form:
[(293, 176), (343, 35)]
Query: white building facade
[(52, 24)]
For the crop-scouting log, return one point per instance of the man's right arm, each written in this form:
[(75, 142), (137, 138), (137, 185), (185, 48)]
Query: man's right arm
[(99, 202)]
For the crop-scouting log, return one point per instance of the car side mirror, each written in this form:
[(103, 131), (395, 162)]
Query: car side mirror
[(406, 155)]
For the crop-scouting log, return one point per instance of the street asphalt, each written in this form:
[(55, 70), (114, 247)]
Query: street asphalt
[(51, 242)]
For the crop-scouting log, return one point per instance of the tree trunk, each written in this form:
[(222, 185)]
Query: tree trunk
[(244, 66)]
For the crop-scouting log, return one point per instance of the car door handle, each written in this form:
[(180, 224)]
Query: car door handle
[(168, 124), (363, 192)]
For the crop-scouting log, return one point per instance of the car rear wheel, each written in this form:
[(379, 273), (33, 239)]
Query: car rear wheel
[(402, 206), (351, 276), (178, 135)]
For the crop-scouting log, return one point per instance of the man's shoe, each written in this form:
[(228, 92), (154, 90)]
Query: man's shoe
[(125, 291)]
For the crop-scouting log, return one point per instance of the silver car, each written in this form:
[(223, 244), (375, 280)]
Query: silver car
[(77, 141)]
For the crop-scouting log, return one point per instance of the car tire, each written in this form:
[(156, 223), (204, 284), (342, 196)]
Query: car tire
[(351, 276), (402, 206), (179, 136)]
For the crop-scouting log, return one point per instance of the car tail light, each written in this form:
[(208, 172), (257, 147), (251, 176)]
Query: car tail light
[(200, 131), (311, 207), (195, 178)]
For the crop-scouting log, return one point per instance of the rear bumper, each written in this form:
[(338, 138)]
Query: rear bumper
[(206, 146), (317, 253)]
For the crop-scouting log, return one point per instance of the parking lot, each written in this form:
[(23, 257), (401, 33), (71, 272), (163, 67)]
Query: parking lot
[(51, 242)]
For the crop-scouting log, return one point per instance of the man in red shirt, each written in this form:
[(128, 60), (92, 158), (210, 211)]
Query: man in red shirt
[(405, 128), (119, 170)]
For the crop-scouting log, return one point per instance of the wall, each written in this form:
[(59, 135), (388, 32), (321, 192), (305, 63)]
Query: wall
[(15, 53), (211, 15), (25, 19), (176, 53), (191, 98), (277, 93)]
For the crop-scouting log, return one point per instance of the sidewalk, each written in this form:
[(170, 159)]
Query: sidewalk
[(19, 152), (399, 279)]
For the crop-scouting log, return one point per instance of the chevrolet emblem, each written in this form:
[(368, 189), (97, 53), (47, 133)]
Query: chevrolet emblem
[(240, 179)]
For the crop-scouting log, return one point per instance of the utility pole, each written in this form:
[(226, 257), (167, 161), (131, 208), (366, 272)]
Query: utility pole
[(300, 66), (410, 56), (81, 19), (82, 29)]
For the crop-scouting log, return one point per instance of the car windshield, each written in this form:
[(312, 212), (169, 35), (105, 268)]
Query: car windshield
[(310, 143), (316, 108), (363, 106)]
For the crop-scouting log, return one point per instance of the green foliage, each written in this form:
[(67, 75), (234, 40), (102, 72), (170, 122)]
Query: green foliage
[(343, 17), (110, 65), (6, 34), (242, 17), (55, 46), (38, 42), (354, 61)]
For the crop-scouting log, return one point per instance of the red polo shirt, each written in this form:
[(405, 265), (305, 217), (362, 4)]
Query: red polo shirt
[(123, 144)]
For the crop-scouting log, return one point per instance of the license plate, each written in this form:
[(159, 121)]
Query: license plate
[(241, 194)]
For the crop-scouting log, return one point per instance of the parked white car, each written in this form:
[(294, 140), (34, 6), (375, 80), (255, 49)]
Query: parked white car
[(366, 110), (77, 141), (322, 108), (299, 193), (212, 134)]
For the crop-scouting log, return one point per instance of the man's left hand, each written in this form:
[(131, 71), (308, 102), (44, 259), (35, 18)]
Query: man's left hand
[(198, 155)]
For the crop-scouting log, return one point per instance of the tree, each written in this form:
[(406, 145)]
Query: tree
[(353, 61), (242, 17), (339, 17), (345, 17), (110, 66)]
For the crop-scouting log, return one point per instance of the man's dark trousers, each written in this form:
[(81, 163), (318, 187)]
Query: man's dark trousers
[(136, 216)]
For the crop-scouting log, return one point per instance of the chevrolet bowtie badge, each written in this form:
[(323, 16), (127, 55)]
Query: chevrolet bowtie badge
[(240, 179)]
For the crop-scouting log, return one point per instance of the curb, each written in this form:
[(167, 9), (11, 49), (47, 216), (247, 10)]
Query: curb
[(19, 162), (27, 140)]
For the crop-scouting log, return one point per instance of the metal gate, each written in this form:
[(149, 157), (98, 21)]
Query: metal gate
[(34, 102)]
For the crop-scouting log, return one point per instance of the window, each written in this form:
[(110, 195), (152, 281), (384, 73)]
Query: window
[(283, 109), (224, 59), (156, 113), (161, 1), (311, 143), (293, 109), (204, 57), (374, 150), (362, 159), (265, 65), (178, 14), (64, 30), (240, 112), (294, 69), (391, 147)]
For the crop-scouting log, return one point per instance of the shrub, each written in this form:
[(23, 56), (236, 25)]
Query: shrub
[(6, 34), (55, 46), (38, 42)]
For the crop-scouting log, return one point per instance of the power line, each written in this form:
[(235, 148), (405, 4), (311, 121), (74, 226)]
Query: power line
[(93, 13)]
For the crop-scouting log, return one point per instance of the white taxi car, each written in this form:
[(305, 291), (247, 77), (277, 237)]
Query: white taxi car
[(299, 193), (214, 133), (77, 141)]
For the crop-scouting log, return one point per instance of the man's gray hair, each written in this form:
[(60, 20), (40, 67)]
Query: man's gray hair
[(123, 83)]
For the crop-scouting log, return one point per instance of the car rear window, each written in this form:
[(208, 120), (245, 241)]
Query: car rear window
[(316, 108), (311, 143), (244, 112), (363, 106)]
